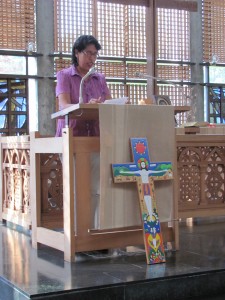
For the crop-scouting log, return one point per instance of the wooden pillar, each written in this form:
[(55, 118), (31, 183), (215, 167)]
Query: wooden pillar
[(35, 188), (68, 195)]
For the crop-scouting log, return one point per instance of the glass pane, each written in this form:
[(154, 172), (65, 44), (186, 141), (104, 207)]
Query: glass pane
[(12, 65), (214, 108), (18, 104), (136, 31), (3, 103), (137, 91), (32, 66), (214, 94), (216, 74), (111, 33), (18, 121), (73, 19), (117, 89), (171, 24), (3, 86), (3, 121), (18, 86), (213, 20)]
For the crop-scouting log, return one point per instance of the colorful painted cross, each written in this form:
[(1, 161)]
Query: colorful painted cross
[(143, 172)]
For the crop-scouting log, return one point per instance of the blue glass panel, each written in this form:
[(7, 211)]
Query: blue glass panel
[(3, 121), (18, 104), (3, 104), (3, 86), (18, 86), (18, 121)]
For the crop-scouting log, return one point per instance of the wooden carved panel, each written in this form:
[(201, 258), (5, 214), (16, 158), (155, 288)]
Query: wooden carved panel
[(52, 183), (201, 173), (16, 183)]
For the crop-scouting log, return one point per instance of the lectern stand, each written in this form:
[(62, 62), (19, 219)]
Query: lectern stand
[(113, 233)]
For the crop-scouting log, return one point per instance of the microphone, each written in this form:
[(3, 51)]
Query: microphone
[(91, 71)]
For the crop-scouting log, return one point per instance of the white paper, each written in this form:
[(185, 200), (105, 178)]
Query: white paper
[(122, 100)]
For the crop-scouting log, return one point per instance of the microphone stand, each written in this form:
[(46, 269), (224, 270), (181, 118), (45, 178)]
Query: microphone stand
[(176, 84), (139, 74), (91, 71)]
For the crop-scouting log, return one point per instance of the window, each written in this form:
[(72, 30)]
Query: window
[(17, 24), (213, 16), (121, 30), (216, 94), (18, 32), (13, 107), (173, 56)]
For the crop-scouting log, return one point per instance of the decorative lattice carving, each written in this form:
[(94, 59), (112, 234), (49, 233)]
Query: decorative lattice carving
[(201, 173), (26, 191), (16, 183), (52, 183), (16, 180)]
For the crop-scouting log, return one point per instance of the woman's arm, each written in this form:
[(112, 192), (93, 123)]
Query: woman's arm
[(64, 100)]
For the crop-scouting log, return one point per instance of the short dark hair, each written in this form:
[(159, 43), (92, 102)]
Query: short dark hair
[(81, 43)]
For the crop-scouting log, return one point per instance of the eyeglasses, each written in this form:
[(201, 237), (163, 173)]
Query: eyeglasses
[(89, 54)]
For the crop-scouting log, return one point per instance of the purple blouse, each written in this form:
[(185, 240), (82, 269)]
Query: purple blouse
[(95, 86)]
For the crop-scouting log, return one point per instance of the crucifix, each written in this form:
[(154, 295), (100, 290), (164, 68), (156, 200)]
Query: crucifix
[(144, 173)]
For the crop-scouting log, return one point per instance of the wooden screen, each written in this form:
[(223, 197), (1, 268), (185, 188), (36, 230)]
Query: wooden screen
[(173, 34), (213, 29), (173, 55), (213, 26), (17, 24), (72, 18), (17, 31), (121, 31)]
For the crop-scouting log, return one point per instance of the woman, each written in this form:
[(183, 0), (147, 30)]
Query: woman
[(95, 90)]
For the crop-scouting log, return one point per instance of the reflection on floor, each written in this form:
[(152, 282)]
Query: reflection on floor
[(196, 271)]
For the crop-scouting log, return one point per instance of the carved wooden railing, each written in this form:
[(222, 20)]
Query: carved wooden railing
[(201, 174), (15, 180), (201, 179)]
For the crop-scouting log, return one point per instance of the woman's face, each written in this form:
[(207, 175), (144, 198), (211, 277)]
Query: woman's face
[(86, 58)]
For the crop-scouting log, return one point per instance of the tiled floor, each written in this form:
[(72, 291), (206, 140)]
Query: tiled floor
[(196, 271)]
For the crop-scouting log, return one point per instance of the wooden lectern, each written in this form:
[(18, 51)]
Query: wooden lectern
[(120, 224)]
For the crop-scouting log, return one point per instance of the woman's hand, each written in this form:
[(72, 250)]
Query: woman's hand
[(95, 101)]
